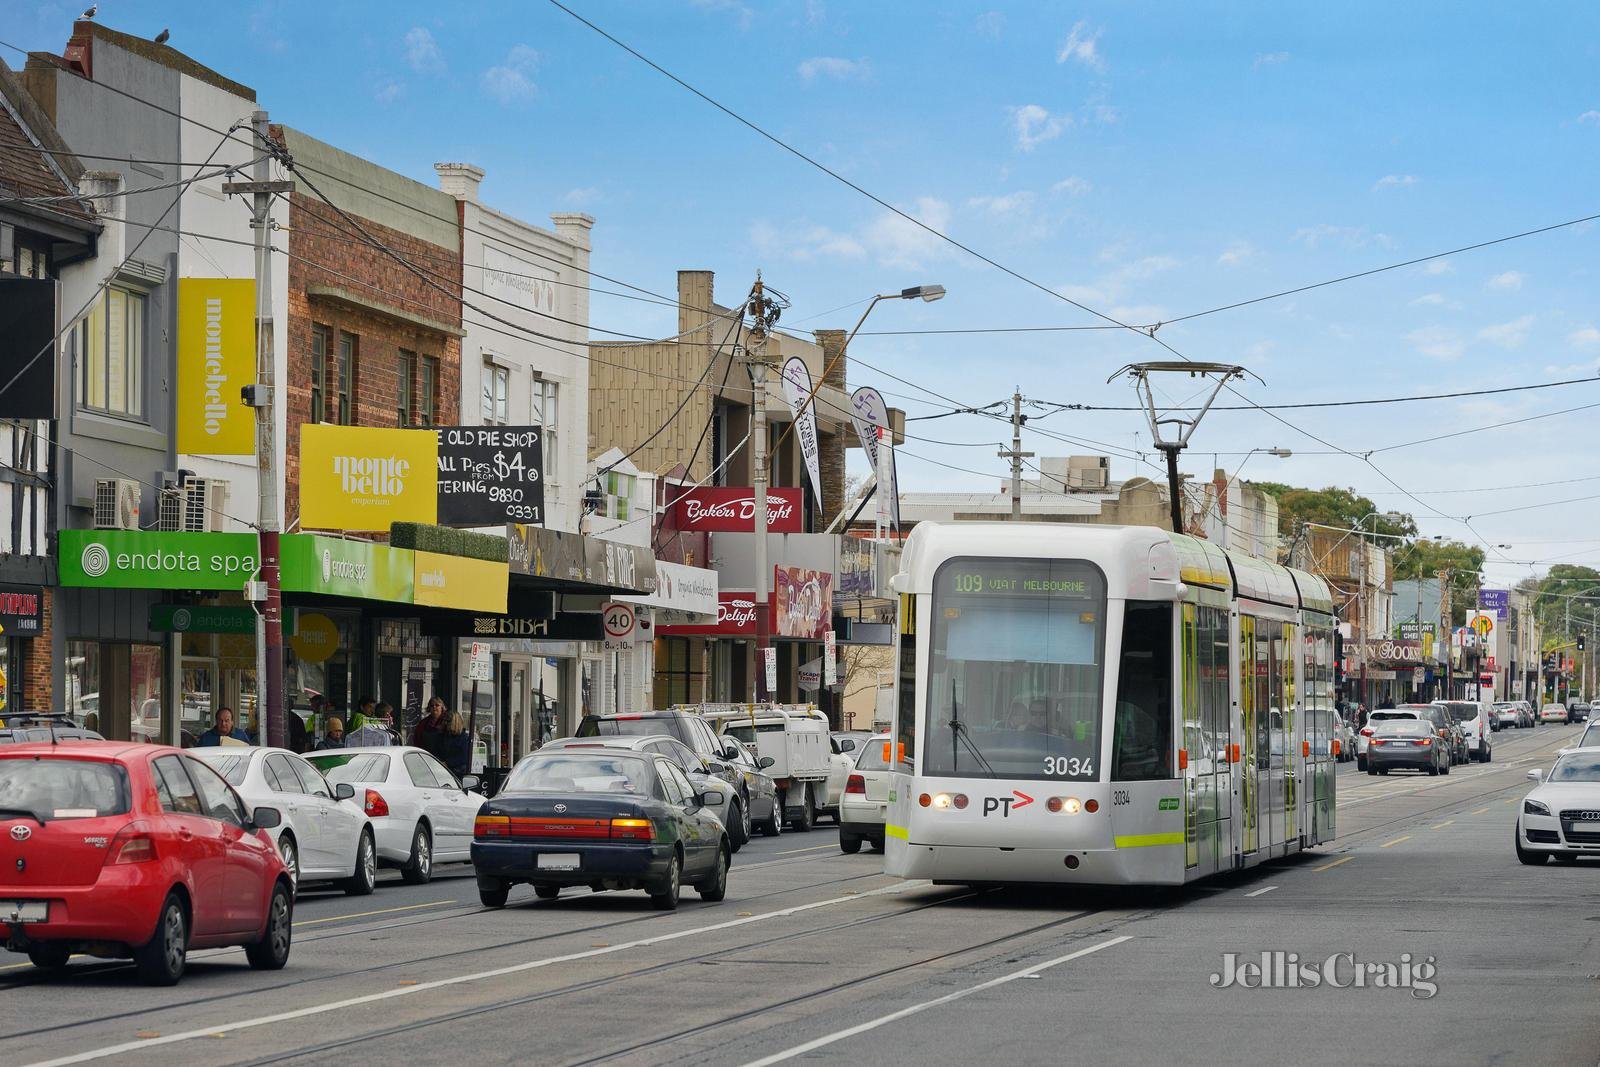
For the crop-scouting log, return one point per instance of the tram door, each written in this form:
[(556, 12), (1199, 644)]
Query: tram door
[(1246, 763)]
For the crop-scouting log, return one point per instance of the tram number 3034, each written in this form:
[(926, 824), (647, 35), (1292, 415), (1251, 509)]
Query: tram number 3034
[(1070, 766)]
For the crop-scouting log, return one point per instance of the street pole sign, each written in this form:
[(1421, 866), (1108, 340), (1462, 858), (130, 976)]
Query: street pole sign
[(620, 626), (481, 667)]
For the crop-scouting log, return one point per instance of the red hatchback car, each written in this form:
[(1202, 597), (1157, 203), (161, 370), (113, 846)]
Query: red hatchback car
[(135, 851)]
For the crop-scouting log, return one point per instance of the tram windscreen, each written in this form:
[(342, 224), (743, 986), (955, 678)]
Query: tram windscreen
[(1015, 673)]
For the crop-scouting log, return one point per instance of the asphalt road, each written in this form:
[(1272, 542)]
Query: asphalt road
[(817, 956)]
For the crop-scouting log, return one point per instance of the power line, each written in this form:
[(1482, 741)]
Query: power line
[(1336, 403)]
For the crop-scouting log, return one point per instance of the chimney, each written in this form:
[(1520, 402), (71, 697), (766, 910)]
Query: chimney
[(460, 180), (1219, 478), (574, 227)]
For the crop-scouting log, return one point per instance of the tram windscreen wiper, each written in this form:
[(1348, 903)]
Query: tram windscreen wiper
[(958, 732)]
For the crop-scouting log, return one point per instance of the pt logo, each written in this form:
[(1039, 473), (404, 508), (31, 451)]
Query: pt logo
[(1005, 805)]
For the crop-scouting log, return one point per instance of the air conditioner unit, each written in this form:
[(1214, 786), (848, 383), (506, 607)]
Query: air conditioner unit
[(116, 504), (206, 500), (1088, 478), (169, 505)]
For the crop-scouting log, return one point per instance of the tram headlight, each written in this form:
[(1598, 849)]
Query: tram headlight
[(1071, 805), (941, 800), (1067, 805)]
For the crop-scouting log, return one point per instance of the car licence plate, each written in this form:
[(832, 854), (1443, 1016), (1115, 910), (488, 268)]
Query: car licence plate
[(24, 911), (1586, 827), (557, 861)]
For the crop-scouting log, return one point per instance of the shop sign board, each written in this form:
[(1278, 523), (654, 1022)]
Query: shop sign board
[(28, 347), (459, 582), (216, 360), (1497, 601), (732, 509), (149, 559), (201, 619), (334, 566), (802, 603), (490, 475), (566, 626), (736, 617), (366, 478), (21, 610)]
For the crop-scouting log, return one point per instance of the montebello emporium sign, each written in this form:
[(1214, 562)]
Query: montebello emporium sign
[(724, 509), (141, 559), (363, 478)]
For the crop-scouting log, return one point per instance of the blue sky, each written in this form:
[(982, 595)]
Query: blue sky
[(1147, 160)]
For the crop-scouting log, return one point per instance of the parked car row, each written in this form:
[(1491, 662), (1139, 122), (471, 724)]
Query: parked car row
[(1457, 731), (1515, 713)]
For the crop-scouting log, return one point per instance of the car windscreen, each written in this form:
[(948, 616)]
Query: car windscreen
[(1591, 736), (1462, 712), (232, 767), (350, 766), (1577, 767), (48, 788), (871, 758), (1403, 728), (559, 772), (1391, 714)]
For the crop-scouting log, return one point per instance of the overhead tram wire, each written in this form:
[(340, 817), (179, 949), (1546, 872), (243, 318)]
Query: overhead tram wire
[(1339, 403)]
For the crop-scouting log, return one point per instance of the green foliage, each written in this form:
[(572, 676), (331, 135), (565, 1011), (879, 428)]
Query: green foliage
[(1333, 506), (448, 541), (1563, 597), (1425, 559)]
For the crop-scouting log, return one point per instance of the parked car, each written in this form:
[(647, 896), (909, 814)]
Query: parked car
[(735, 809), (1553, 713), (805, 765), (686, 726), (864, 808), (1590, 738), (1345, 734), (1444, 726), (135, 851), (1577, 711), (850, 741), (606, 818), (1561, 817), (419, 813), (19, 735), (1507, 713), (325, 835), (766, 807), (1407, 743), (1472, 720)]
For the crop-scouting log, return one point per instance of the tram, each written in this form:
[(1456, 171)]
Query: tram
[(1104, 705)]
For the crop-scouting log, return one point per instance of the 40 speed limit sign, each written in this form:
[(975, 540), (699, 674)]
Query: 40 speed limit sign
[(620, 626)]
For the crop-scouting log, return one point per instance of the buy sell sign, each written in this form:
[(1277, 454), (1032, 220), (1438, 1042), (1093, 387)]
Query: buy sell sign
[(365, 478)]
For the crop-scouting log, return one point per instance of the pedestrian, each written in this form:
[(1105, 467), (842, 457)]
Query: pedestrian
[(223, 728), (376, 729), (335, 735), (458, 748), (365, 709), (432, 729)]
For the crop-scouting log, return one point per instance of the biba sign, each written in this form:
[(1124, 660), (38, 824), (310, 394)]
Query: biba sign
[(362, 478), (736, 617), (216, 359), (721, 509)]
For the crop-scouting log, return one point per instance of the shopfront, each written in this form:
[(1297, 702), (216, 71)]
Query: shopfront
[(21, 641)]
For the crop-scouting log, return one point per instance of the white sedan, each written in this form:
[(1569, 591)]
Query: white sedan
[(1553, 713), (1561, 817), (324, 836), (421, 815), (864, 807)]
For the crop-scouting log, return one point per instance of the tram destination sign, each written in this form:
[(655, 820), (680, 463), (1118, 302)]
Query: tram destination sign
[(491, 475), (1013, 579)]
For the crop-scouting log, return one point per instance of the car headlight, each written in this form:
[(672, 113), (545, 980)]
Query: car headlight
[(1534, 807)]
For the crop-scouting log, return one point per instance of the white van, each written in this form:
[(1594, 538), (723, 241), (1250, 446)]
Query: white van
[(1476, 719)]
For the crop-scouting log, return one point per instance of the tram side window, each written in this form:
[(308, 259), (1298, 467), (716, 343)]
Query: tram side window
[(1141, 747)]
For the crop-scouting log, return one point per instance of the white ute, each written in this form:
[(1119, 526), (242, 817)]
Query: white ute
[(803, 764)]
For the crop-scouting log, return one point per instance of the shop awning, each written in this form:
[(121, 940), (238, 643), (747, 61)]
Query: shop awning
[(573, 563)]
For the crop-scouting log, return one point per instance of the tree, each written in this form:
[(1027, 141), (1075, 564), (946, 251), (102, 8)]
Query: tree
[(1424, 559), (1341, 508)]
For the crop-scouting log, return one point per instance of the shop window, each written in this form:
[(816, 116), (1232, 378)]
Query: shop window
[(344, 379), (428, 398), (109, 345), (545, 405), (680, 674), (321, 341), (496, 395), (405, 407)]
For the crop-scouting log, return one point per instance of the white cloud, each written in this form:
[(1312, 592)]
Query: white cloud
[(1011, 204), (1590, 117), (1436, 300), (1510, 281), (1438, 266), (1393, 181), (990, 24), (1072, 186), (511, 82), (1349, 236), (1118, 284), (422, 51), (1035, 125), (804, 243), (1237, 254), (1437, 342), (1083, 46), (816, 13), (898, 243), (1508, 334), (1585, 337), (727, 7), (1138, 314), (1270, 59), (833, 67), (1259, 352), (582, 197), (390, 91)]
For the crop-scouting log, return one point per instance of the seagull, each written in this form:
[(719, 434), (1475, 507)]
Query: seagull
[(163, 36), (89, 14)]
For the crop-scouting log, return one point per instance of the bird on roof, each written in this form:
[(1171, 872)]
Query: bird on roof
[(89, 14), (163, 37)]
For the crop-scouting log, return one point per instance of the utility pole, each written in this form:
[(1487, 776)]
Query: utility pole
[(1361, 543), (1016, 455), (1446, 631), (266, 593), (765, 314)]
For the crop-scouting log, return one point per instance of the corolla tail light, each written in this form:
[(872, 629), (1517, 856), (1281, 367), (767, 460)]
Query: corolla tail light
[(375, 806), (133, 844), (633, 830), (491, 826)]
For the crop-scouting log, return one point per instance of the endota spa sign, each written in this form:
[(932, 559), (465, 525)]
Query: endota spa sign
[(361, 478), (143, 559)]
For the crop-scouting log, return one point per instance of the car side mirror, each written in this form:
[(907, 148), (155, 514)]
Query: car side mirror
[(711, 798), (730, 752), (1536, 775), (266, 818), (765, 761), (470, 782), (344, 791)]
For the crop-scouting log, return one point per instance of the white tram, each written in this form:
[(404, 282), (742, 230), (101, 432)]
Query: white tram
[(1105, 705)]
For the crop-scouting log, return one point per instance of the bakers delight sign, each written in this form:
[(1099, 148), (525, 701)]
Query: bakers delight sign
[(725, 509), (736, 617)]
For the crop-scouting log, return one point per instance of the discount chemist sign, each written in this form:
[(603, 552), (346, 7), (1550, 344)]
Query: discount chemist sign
[(140, 559)]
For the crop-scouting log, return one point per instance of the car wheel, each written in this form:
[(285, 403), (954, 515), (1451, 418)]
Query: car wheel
[(738, 825), (161, 960), (291, 857), (713, 889), (547, 892), (1445, 769), (773, 826), (1383, 771), (808, 811), (1372, 771), (665, 896), (1433, 769), (365, 878), (1532, 859), (1488, 754), (1361, 763), (419, 867), (272, 951), (849, 844), (493, 892), (49, 955)]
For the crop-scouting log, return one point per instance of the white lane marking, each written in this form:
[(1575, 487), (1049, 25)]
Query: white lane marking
[(380, 911), (797, 851), (1335, 863), (840, 1035), (1258, 892), (460, 979)]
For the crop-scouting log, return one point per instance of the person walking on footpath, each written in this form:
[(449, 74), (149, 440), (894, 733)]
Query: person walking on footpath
[(334, 737), (433, 731), (458, 748), (224, 728)]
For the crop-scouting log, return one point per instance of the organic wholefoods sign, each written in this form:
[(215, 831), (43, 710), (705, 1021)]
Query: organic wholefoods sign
[(139, 559), (334, 566), (362, 478)]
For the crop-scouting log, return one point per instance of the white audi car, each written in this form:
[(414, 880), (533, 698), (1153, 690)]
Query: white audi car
[(1561, 817), (324, 835), (421, 815)]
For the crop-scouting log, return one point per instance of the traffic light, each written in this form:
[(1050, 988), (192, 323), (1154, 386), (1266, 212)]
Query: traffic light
[(1580, 642)]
